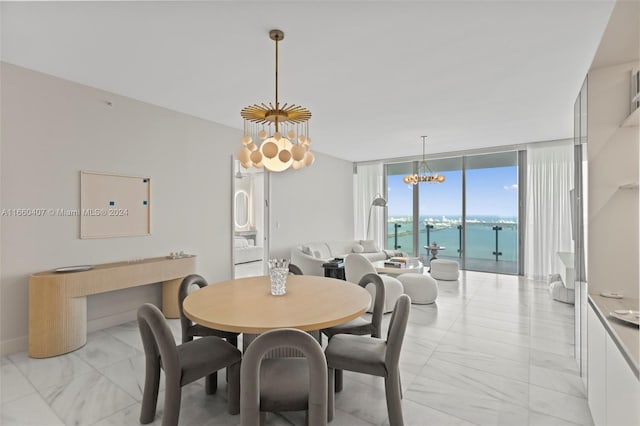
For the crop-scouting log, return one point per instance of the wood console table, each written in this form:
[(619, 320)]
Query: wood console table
[(58, 300)]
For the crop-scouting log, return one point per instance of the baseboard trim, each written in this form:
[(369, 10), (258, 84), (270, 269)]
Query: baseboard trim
[(21, 344), (97, 324), (13, 346)]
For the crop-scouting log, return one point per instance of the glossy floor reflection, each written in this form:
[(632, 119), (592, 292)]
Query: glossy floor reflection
[(493, 350)]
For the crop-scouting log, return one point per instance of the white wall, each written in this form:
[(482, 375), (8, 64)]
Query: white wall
[(312, 204), (52, 129), (613, 161)]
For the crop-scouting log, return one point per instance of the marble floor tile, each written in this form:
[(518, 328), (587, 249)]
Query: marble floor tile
[(30, 410), (558, 332), (415, 414), (553, 346), (424, 333), (484, 362), (465, 403), (560, 405), (570, 383), (561, 363), (485, 346), (485, 312), (85, 399), (46, 372), (129, 374), (478, 382), (438, 319), (495, 324), (128, 333), (539, 419), (102, 350), (341, 418), (13, 384), (490, 334), (362, 401)]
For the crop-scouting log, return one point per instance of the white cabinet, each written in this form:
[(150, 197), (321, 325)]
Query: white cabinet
[(623, 390), (613, 389), (596, 377)]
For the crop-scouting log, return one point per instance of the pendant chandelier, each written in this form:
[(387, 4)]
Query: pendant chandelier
[(422, 175), (283, 130)]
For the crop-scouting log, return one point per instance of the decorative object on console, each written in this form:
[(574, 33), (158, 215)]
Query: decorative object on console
[(279, 149), (422, 175)]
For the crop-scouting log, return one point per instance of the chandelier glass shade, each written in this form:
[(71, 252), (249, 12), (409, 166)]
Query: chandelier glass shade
[(422, 175), (276, 136)]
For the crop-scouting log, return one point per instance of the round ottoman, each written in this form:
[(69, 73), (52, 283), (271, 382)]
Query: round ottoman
[(446, 270), (422, 289)]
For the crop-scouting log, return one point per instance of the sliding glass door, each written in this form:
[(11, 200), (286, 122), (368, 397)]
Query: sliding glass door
[(473, 215), (440, 206), (491, 220)]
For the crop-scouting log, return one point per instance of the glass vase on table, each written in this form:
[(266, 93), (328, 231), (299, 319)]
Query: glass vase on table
[(278, 272)]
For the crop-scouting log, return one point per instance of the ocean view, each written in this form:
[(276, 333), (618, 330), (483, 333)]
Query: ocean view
[(481, 238)]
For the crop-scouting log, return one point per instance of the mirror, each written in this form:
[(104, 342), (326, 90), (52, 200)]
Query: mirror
[(241, 209)]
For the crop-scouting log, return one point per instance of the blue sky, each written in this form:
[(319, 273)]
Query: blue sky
[(490, 192)]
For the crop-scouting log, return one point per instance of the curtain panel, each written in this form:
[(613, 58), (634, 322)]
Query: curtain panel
[(548, 215)]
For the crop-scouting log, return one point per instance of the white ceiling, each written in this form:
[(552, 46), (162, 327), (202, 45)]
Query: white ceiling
[(376, 75)]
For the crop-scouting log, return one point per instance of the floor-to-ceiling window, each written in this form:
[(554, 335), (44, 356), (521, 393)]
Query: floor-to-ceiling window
[(440, 206), (491, 220), (473, 214), (399, 208)]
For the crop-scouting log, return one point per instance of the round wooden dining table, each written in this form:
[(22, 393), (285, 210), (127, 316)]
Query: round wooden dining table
[(246, 305)]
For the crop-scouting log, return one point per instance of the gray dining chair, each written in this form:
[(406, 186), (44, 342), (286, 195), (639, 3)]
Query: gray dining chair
[(294, 269), (182, 365), (377, 357), (361, 326), (283, 384), (189, 328)]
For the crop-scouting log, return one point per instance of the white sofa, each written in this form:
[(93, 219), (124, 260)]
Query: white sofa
[(310, 257), (245, 250)]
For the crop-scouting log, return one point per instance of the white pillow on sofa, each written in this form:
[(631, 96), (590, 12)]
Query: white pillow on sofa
[(369, 246), (357, 248)]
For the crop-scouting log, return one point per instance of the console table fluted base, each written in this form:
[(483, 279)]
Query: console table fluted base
[(58, 300)]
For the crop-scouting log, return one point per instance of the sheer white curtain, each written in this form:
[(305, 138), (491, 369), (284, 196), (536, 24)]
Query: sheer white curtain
[(369, 181), (548, 216)]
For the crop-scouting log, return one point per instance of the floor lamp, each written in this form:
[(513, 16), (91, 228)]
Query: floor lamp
[(378, 201)]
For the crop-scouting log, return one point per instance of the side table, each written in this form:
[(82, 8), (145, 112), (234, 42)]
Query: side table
[(334, 269)]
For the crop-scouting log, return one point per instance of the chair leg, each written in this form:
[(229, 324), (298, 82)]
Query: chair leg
[(233, 388), (263, 418), (234, 341), (211, 383), (331, 394), (394, 402), (150, 393), (338, 386), (172, 397)]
